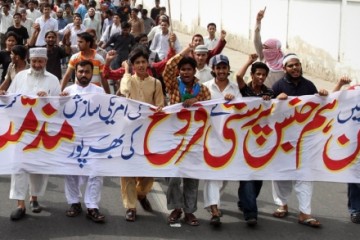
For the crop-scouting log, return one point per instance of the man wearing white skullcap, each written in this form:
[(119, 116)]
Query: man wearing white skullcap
[(35, 81), (294, 84)]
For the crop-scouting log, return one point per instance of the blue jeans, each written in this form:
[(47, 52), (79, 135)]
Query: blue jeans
[(248, 192), (354, 197)]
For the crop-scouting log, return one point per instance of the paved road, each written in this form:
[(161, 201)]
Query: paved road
[(329, 206)]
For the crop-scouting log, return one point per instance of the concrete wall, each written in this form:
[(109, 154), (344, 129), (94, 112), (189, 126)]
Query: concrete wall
[(324, 33)]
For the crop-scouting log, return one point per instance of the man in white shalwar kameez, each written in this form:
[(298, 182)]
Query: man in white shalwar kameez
[(35, 81), (84, 71)]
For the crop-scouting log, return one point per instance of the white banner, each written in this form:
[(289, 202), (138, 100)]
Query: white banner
[(307, 138)]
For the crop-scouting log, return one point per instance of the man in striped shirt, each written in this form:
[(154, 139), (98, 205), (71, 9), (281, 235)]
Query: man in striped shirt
[(85, 41)]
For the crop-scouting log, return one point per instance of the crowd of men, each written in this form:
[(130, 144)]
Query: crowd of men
[(104, 44)]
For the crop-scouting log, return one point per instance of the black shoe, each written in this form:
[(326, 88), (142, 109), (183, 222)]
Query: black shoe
[(35, 207), (145, 204), (130, 215), (95, 215), (355, 217), (251, 222), (18, 214)]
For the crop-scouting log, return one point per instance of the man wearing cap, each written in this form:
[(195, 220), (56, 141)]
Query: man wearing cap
[(198, 39), (185, 89), (203, 71), (294, 84), (33, 81), (220, 87), (73, 183)]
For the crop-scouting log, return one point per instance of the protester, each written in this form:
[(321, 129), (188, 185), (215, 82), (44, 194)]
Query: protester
[(203, 71), (187, 90), (85, 42), (154, 12), (20, 30), (353, 189), (141, 87), (249, 190), (10, 42), (220, 87), (6, 20), (160, 42), (211, 40), (137, 24), (294, 84), (18, 63), (33, 81), (44, 24), (122, 44), (83, 71), (269, 51), (198, 39)]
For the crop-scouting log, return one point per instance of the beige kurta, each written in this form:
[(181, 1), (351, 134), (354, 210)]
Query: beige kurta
[(148, 90)]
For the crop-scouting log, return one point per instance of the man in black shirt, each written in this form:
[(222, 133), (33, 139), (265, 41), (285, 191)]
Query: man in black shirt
[(294, 84), (123, 42), (20, 30), (249, 190)]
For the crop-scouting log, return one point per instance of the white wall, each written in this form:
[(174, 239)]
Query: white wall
[(324, 33)]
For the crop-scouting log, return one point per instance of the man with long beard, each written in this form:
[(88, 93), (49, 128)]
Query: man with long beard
[(33, 81), (84, 73)]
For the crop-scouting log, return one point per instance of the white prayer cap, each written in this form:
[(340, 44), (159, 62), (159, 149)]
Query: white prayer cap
[(201, 49), (288, 57), (38, 52)]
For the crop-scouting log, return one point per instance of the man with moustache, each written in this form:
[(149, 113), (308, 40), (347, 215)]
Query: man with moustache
[(33, 81), (83, 71), (294, 84), (85, 42)]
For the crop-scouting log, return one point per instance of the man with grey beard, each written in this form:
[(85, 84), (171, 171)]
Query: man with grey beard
[(32, 82)]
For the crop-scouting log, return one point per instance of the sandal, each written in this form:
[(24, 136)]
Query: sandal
[(280, 212), (95, 215), (355, 217), (74, 210), (215, 221), (311, 222), (174, 216), (191, 219)]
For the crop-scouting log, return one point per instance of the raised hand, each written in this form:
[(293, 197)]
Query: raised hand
[(222, 34), (260, 15), (252, 58)]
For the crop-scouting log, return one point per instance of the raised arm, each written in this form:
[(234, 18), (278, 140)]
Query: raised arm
[(257, 37), (170, 71), (342, 82), (125, 84), (219, 46), (109, 73), (241, 73), (35, 35), (160, 66)]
